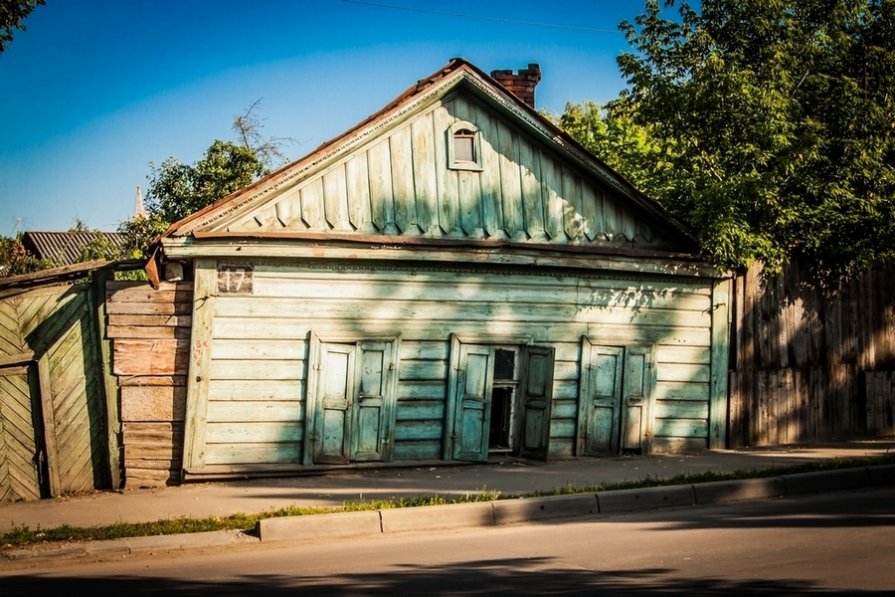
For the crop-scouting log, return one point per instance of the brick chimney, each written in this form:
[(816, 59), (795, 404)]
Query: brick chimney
[(521, 84)]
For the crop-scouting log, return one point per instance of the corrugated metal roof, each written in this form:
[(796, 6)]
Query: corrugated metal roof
[(64, 248)]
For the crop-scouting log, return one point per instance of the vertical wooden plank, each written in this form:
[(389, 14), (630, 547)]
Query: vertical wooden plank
[(492, 215), (109, 381), (510, 183), (721, 293), (381, 193), (573, 219), (401, 151), (49, 424), (532, 199), (589, 211), (312, 204), (204, 294), (611, 218), (335, 199), (551, 177), (358, 190), (446, 179), (424, 176)]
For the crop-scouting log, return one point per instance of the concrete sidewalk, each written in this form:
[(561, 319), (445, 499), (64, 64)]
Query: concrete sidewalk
[(508, 477)]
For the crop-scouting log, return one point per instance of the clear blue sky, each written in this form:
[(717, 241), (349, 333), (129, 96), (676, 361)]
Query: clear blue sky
[(95, 90)]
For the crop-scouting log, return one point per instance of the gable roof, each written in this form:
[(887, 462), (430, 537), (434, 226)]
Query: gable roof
[(307, 199), (64, 248)]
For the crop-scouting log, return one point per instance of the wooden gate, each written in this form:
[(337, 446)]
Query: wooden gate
[(52, 393)]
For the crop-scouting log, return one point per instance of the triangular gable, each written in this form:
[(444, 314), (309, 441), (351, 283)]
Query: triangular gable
[(396, 175)]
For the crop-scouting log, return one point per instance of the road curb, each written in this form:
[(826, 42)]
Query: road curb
[(731, 492)]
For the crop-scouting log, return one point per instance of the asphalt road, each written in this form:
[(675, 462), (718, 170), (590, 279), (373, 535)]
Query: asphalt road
[(828, 544)]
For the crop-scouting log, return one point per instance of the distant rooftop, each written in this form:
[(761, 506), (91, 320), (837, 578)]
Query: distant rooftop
[(64, 248)]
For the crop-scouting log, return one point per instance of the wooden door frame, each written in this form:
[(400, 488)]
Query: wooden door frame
[(454, 378), (584, 384), (315, 346)]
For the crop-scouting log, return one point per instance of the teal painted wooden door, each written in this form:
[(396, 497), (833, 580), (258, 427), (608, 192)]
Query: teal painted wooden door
[(634, 391), (372, 433), (615, 399), (537, 394), (472, 418), (355, 403), (603, 400), (333, 430)]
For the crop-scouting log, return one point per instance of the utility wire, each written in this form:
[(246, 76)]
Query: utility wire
[(480, 17)]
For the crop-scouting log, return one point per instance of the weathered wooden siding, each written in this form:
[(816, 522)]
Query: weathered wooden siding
[(808, 365), (52, 408), (258, 362), (402, 184), (150, 332)]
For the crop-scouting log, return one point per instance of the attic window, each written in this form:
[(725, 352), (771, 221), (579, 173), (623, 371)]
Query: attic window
[(464, 147)]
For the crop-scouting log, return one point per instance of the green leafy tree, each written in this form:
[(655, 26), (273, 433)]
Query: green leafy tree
[(12, 13), (772, 123), (177, 190), (16, 260)]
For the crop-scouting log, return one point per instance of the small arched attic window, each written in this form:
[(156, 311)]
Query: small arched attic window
[(464, 147)]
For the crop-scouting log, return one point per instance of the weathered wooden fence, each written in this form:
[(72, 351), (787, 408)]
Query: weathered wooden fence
[(56, 429), (811, 366), (150, 334)]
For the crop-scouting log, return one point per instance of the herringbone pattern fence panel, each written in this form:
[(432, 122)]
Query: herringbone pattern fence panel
[(18, 472)]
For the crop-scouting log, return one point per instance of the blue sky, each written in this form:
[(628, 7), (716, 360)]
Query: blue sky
[(95, 90)]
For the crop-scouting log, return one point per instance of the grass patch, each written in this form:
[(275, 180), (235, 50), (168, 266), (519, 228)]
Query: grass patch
[(24, 536)]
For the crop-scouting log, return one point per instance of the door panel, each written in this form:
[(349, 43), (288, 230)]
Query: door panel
[(537, 394), (635, 389), (20, 463), (473, 403), (334, 420), (604, 396), (371, 432)]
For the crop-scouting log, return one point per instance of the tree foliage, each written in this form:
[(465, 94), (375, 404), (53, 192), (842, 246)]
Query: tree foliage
[(176, 190), (15, 258), (12, 13), (770, 125)]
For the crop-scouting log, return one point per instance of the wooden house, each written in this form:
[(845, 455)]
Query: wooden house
[(452, 278)]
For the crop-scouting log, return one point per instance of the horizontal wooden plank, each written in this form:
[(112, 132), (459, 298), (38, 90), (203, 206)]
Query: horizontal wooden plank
[(245, 411), (420, 310), (260, 349), (562, 428), (417, 450), (142, 292), (148, 308), (152, 380), (676, 390), (248, 369), (681, 409), (260, 433), (227, 453), (564, 409), (150, 357), (152, 321), (680, 428), (422, 370), (138, 478), (167, 455), (117, 332), (425, 351), (682, 372), (418, 430), (420, 410), (421, 390), (684, 354), (259, 390), (145, 432), (678, 445)]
